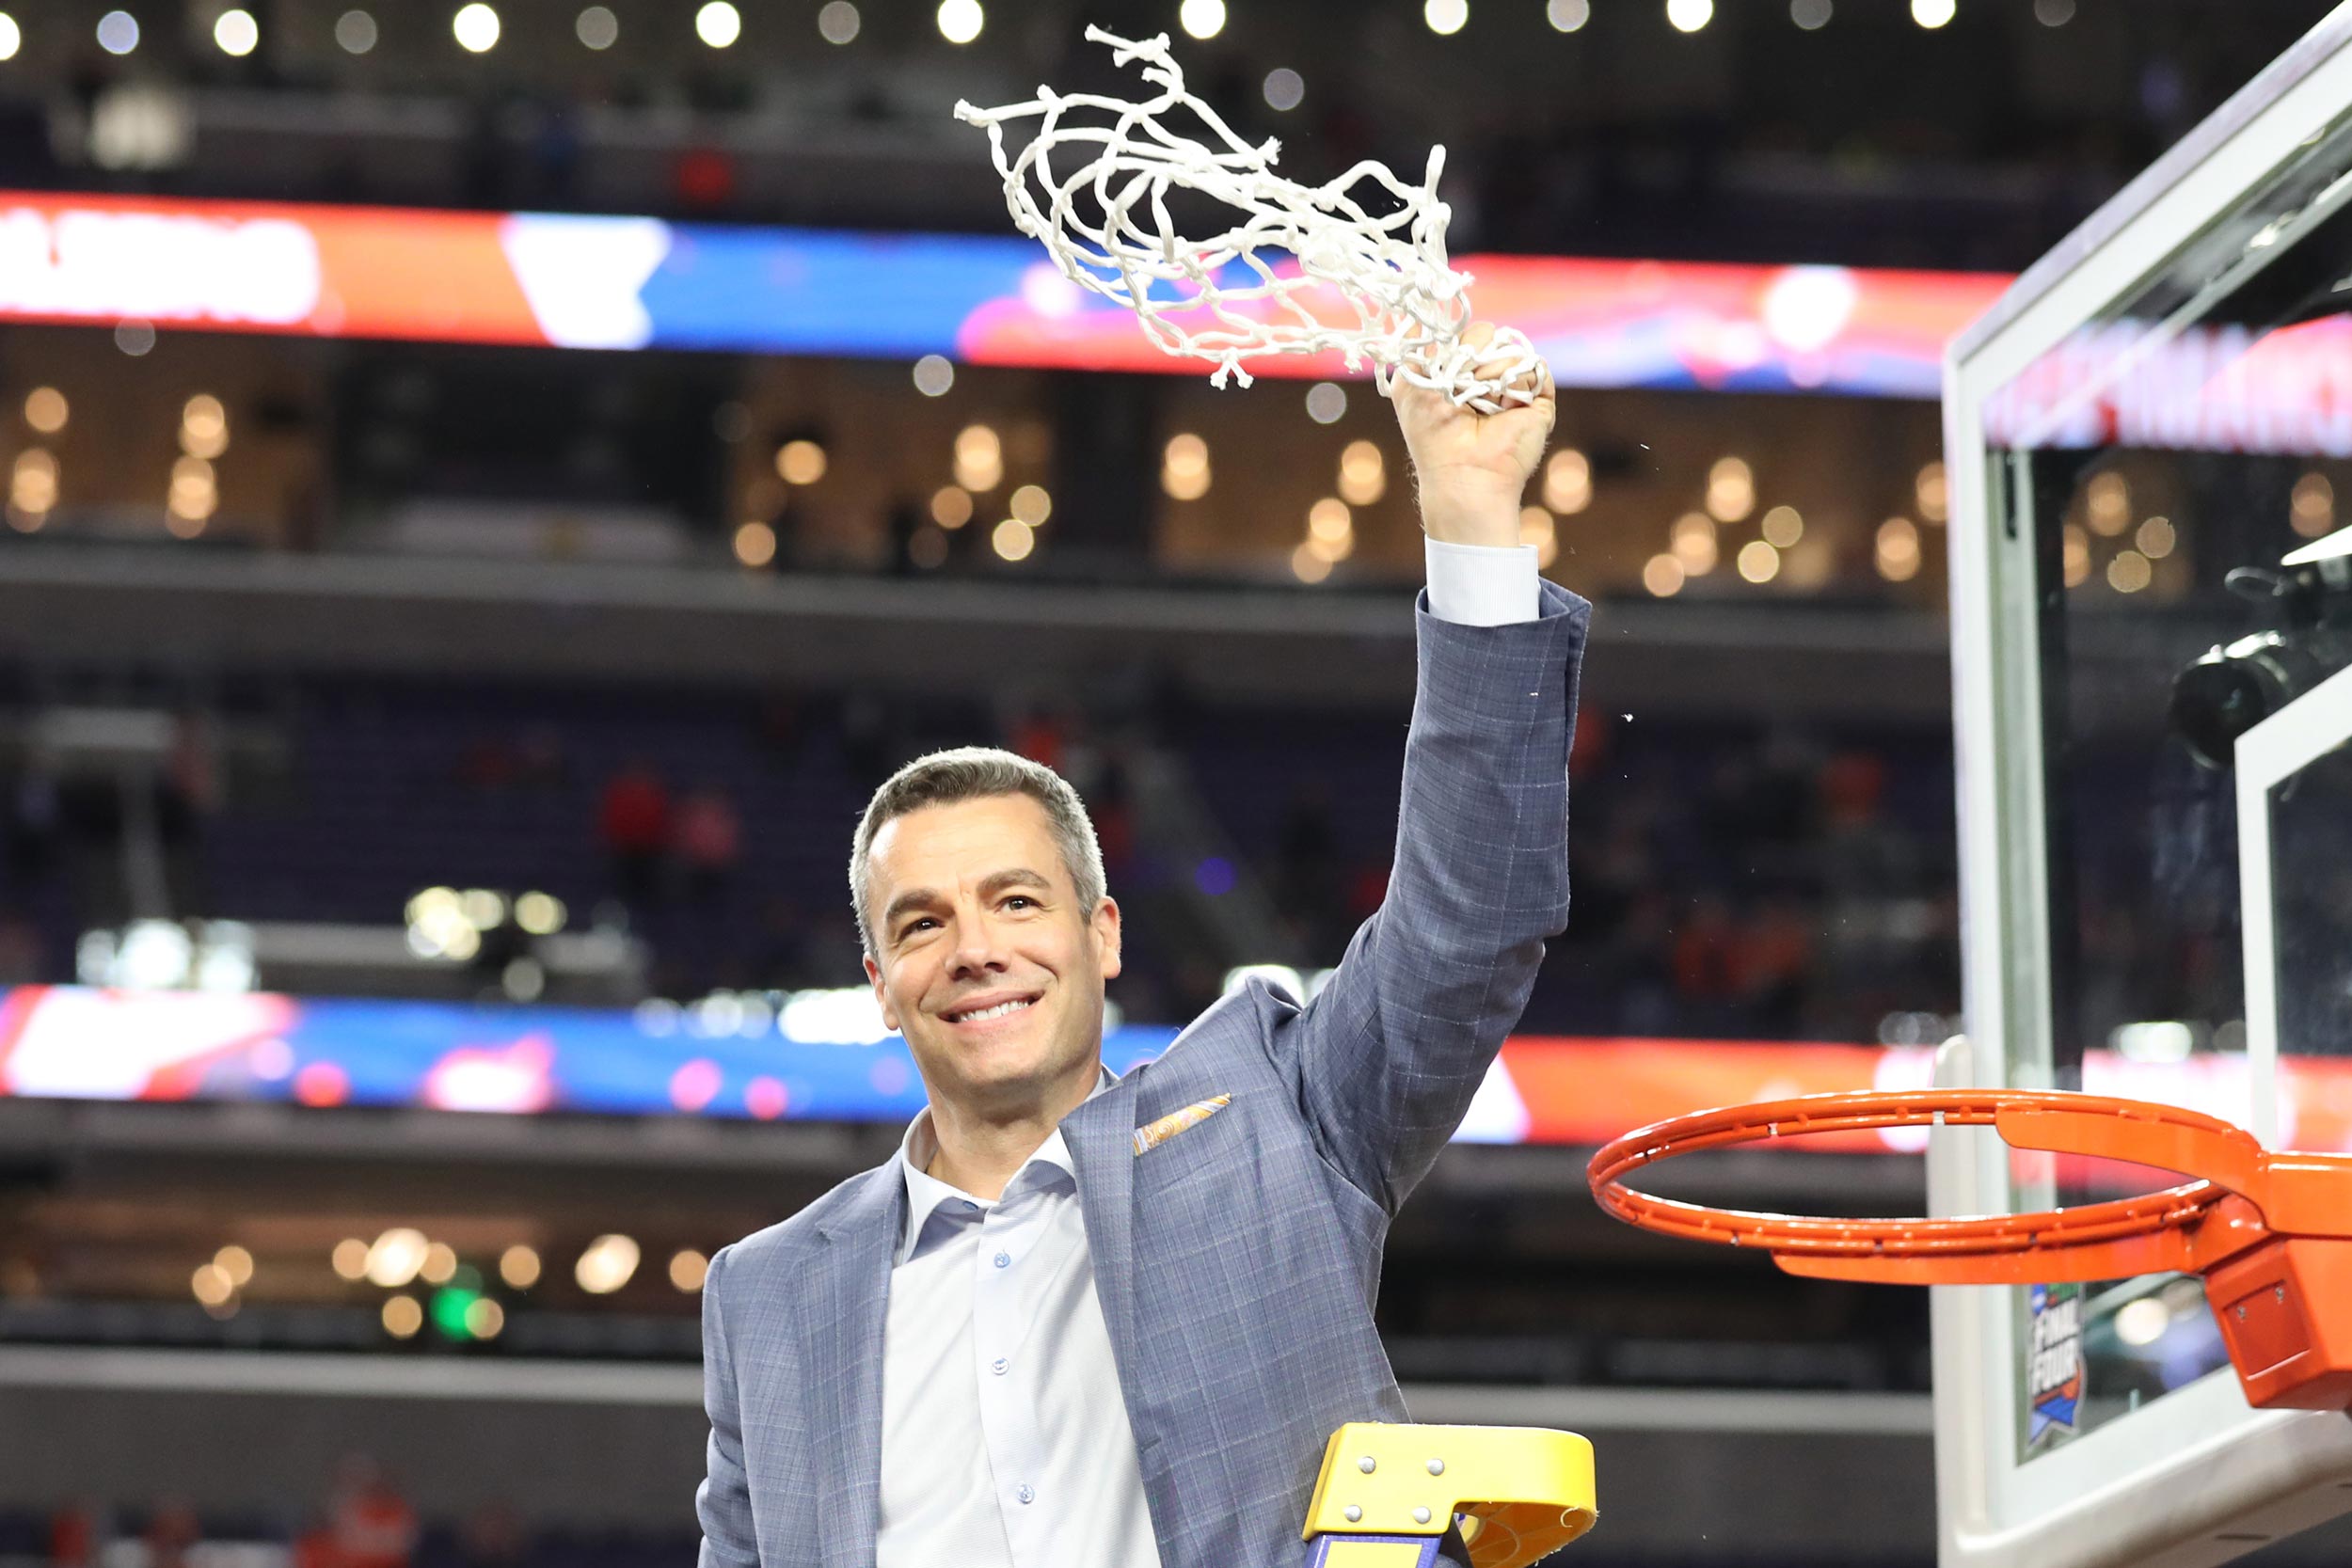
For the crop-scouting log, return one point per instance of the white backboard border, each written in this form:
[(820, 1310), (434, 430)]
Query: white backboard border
[(2196, 1478)]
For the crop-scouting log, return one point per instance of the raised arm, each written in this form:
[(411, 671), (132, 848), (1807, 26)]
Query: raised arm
[(1388, 1056)]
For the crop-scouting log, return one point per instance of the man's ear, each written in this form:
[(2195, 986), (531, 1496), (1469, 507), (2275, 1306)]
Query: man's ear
[(881, 997), (1106, 936)]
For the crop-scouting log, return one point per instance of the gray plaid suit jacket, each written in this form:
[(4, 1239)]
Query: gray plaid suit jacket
[(1237, 1261)]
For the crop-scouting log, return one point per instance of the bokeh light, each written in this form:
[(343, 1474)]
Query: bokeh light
[(519, 1267), (1689, 16), (236, 33), (475, 27), (838, 22), (718, 23), (1201, 18), (960, 21), (1012, 539), (597, 27), (45, 411)]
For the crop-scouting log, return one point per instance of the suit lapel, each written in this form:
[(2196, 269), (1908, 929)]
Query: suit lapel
[(1101, 1135), (1102, 1138), (844, 1349)]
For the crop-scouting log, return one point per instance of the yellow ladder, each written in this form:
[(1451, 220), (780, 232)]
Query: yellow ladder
[(1388, 1493)]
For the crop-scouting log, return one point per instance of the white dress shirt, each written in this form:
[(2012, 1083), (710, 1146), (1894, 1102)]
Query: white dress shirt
[(1005, 1440)]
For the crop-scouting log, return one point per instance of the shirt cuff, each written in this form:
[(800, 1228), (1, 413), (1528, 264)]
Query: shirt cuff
[(1482, 585)]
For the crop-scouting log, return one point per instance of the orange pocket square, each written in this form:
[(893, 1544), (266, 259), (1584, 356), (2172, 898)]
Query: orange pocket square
[(1151, 1134)]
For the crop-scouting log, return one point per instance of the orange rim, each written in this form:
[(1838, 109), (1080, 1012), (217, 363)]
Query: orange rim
[(2171, 1208)]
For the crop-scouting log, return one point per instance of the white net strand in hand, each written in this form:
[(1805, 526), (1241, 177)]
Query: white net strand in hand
[(1410, 307)]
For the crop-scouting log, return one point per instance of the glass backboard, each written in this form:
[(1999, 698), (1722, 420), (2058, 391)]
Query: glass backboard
[(2150, 440)]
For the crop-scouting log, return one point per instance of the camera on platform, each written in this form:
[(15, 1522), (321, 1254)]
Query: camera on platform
[(2235, 686)]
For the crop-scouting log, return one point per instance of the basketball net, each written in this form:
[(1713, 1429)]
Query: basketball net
[(1411, 307)]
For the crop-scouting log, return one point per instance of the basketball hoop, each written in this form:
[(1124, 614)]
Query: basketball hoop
[(2269, 1234), (1411, 307)]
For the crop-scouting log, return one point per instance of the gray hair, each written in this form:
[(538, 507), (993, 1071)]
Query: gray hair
[(979, 773)]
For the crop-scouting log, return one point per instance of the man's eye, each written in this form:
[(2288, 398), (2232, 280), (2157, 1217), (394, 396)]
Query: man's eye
[(1020, 899)]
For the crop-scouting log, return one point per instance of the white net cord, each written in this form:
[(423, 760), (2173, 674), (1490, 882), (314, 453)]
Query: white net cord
[(1410, 307)]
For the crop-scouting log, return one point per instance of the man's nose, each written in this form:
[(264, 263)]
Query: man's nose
[(977, 951)]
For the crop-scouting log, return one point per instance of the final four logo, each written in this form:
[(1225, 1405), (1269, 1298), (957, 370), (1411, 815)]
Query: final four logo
[(2054, 1363)]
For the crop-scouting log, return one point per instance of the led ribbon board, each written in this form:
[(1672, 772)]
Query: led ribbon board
[(825, 1055), (563, 282)]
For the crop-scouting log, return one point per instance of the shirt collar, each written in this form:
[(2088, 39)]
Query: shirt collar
[(927, 1193)]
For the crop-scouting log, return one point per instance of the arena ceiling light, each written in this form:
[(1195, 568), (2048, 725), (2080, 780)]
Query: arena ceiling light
[(1202, 19), (11, 37), (236, 33), (607, 1265), (1810, 15), (935, 373), (1568, 16), (1689, 16), (839, 22), (1932, 13), (396, 1256), (475, 27), (718, 23), (117, 32), (597, 27), (960, 21), (46, 410), (1445, 17), (687, 1269), (356, 32)]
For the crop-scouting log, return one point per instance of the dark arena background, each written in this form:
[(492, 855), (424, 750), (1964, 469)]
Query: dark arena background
[(491, 491)]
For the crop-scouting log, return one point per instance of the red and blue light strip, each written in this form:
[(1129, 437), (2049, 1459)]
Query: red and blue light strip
[(70, 1043), (569, 281)]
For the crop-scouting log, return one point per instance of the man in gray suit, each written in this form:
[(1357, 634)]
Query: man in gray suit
[(1080, 1321)]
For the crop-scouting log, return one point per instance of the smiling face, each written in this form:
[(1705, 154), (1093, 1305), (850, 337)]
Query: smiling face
[(983, 959)]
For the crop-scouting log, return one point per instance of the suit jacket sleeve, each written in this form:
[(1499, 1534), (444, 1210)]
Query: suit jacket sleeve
[(1386, 1059), (723, 1500)]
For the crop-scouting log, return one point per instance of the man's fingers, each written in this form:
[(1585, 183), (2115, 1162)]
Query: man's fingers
[(1533, 381)]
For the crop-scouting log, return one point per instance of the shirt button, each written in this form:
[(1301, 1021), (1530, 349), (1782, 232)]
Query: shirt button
[(1025, 1493), (1004, 1260), (1000, 1366)]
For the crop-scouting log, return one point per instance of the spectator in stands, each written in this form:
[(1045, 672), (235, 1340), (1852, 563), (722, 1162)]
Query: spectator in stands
[(369, 1522), (171, 1530), (77, 1533), (1706, 955), (1042, 736), (492, 1538), (315, 1544), (633, 821), (1112, 801), (708, 839)]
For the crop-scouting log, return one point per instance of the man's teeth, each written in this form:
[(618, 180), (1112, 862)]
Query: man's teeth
[(997, 1011)]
